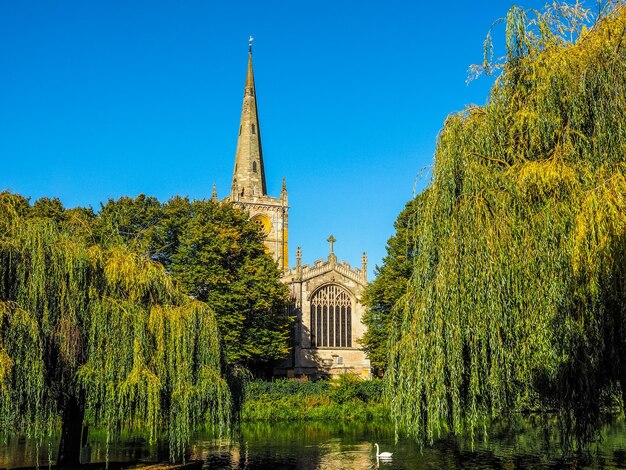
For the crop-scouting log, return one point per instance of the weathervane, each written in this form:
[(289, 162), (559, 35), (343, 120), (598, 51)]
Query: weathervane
[(250, 42)]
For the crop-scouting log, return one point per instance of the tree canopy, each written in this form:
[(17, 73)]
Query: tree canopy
[(131, 317), (216, 254), (518, 292), (98, 334)]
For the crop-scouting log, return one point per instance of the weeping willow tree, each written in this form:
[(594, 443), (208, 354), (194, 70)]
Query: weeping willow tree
[(517, 299), (95, 336)]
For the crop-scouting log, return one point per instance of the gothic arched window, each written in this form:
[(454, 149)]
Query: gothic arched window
[(331, 318), (253, 129), (254, 166)]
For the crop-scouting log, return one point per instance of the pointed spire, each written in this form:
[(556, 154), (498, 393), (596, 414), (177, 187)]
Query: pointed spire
[(249, 171), (214, 195)]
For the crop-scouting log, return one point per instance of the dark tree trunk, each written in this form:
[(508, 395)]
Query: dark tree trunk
[(71, 443)]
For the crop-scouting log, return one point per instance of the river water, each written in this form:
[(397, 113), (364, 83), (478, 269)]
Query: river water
[(520, 445)]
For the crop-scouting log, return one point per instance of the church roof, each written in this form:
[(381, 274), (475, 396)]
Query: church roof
[(304, 272)]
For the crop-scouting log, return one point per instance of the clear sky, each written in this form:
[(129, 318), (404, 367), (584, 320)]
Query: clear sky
[(102, 99)]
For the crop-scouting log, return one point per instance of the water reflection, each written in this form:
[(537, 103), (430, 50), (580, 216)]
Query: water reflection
[(295, 446), (511, 445), (529, 443), (21, 452)]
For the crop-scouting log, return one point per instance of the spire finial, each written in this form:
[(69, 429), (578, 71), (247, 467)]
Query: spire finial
[(250, 43), (284, 188), (364, 266)]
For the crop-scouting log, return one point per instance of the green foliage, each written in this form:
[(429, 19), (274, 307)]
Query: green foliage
[(132, 221), (518, 292), (110, 312), (47, 208), (370, 390), (283, 388), (390, 284), (216, 254), (348, 397), (349, 388), (101, 327), (12, 206)]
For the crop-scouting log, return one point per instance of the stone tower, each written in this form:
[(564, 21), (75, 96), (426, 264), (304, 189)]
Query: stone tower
[(249, 191)]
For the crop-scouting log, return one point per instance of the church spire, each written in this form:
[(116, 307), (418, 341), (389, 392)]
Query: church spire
[(249, 174)]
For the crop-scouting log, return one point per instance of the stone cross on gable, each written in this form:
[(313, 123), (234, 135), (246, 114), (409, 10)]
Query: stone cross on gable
[(331, 240)]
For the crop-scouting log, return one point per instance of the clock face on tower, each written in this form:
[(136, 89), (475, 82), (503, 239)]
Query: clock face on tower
[(264, 223)]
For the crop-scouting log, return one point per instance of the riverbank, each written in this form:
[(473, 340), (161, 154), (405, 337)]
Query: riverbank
[(325, 400)]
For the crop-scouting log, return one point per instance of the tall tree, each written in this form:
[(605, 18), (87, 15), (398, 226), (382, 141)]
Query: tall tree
[(382, 294), (98, 336), (217, 256), (220, 259), (518, 290)]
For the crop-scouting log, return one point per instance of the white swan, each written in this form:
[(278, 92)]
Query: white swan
[(382, 455)]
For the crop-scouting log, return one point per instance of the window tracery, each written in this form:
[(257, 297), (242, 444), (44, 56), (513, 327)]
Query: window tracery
[(331, 318)]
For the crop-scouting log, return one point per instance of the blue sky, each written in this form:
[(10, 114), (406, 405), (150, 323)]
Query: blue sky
[(106, 99)]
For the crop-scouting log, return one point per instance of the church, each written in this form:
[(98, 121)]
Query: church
[(325, 295)]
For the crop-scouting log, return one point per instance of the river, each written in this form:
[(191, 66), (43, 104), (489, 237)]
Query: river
[(351, 446)]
